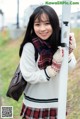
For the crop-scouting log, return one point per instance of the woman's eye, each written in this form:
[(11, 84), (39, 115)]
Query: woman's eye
[(37, 24), (47, 23)]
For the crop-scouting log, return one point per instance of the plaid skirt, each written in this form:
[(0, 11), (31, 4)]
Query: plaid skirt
[(37, 113)]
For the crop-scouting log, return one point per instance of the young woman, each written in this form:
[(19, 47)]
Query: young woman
[(42, 36)]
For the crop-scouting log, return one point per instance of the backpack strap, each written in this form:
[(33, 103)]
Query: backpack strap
[(36, 54)]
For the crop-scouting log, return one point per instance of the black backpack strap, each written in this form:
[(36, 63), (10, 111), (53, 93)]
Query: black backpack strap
[(36, 54)]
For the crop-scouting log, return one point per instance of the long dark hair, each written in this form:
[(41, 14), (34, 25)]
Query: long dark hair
[(54, 40)]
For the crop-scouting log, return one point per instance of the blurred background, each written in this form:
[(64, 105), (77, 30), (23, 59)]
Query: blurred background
[(16, 13), (14, 16)]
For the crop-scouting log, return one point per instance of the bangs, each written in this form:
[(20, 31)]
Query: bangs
[(40, 16)]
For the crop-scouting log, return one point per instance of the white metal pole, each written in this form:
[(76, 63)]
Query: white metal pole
[(64, 69)]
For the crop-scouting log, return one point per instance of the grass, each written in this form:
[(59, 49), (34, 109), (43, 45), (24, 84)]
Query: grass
[(8, 63), (73, 99), (4, 36), (9, 60)]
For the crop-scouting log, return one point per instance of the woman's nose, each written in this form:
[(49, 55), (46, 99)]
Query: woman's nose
[(42, 28)]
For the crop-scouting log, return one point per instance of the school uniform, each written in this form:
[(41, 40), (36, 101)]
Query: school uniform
[(41, 94)]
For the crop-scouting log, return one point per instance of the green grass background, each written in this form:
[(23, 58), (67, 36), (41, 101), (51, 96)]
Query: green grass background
[(9, 60)]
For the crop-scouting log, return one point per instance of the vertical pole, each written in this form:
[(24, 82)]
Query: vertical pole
[(64, 69), (17, 13)]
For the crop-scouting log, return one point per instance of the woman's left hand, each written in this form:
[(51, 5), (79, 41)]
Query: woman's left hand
[(72, 42)]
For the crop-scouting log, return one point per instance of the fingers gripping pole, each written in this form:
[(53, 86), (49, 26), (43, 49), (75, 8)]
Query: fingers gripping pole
[(64, 69)]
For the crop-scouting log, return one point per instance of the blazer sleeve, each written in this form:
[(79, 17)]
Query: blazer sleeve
[(28, 66)]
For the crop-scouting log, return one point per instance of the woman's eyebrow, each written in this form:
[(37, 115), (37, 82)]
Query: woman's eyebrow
[(41, 21)]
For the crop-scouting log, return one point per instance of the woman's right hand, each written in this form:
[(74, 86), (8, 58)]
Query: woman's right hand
[(53, 69), (72, 43), (58, 58)]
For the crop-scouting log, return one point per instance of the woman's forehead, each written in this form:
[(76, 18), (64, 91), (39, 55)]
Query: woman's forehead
[(42, 17)]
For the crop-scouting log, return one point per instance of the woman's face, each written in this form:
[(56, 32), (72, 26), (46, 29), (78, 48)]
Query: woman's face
[(42, 27)]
